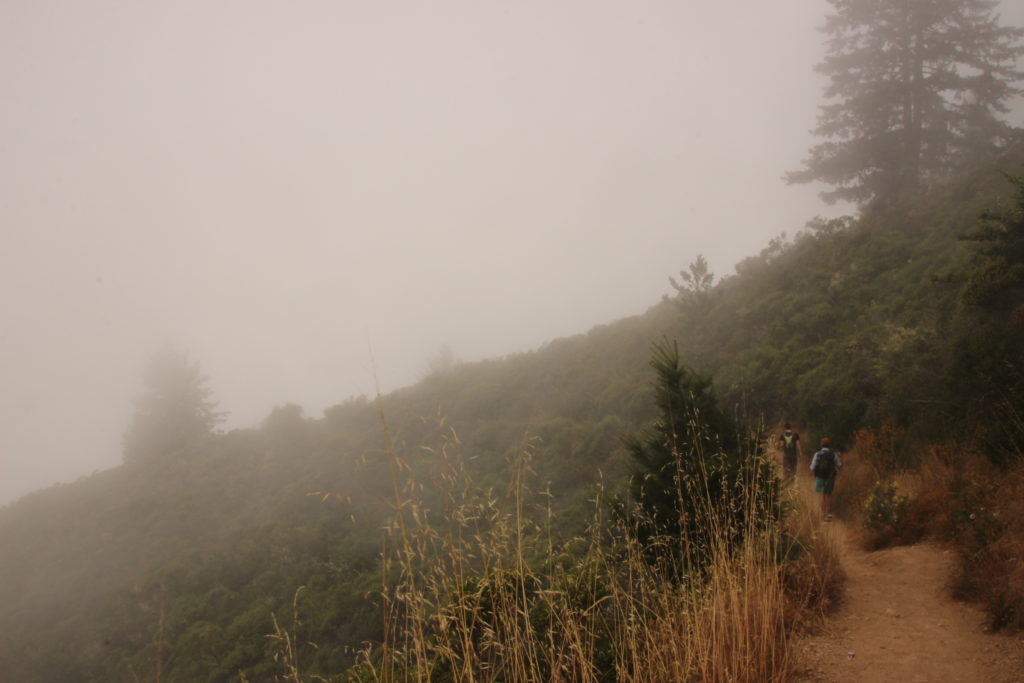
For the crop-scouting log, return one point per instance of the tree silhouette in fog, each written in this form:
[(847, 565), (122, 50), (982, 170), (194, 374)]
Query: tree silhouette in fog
[(173, 411), (916, 91), (695, 284)]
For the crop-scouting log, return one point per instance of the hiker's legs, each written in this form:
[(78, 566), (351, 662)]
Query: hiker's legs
[(824, 487), (788, 468), (830, 485)]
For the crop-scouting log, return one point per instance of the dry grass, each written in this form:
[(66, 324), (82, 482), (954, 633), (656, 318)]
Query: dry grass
[(986, 525), (953, 495), (813, 574), (853, 486), (477, 590)]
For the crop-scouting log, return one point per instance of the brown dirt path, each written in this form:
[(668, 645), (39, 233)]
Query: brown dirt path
[(898, 623)]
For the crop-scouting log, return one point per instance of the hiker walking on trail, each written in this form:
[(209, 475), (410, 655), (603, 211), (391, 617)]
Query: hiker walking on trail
[(789, 443), (825, 465)]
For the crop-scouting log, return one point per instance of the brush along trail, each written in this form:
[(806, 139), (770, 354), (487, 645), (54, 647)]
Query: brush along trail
[(898, 623)]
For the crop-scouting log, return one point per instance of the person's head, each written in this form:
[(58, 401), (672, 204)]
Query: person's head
[(787, 426), (825, 442)]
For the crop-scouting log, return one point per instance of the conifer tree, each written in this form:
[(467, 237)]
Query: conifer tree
[(695, 284), (916, 90), (174, 410), (699, 478)]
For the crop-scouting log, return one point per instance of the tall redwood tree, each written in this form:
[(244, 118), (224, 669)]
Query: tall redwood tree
[(917, 89)]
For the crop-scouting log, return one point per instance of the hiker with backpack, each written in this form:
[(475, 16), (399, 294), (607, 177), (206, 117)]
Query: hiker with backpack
[(825, 466), (789, 443)]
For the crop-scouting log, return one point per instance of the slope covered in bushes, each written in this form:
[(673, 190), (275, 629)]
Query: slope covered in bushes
[(180, 565)]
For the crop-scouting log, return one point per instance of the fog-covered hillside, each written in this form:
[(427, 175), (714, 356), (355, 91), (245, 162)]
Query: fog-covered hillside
[(183, 557)]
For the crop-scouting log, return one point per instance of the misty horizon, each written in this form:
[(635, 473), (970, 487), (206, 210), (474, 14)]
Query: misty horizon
[(312, 201)]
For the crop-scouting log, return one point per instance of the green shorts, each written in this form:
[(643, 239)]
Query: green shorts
[(824, 485)]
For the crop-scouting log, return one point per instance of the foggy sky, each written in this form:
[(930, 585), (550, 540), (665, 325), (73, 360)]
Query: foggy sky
[(312, 198)]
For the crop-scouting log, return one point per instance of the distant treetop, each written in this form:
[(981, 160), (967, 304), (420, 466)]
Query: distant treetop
[(174, 410), (916, 91)]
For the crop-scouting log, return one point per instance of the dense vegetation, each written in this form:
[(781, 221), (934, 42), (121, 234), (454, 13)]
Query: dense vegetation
[(179, 567), (857, 320), (694, 466)]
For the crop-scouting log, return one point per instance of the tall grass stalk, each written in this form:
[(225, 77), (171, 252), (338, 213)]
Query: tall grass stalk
[(478, 588), (287, 654)]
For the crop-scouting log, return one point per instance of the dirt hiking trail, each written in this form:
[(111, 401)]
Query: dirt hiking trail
[(897, 623)]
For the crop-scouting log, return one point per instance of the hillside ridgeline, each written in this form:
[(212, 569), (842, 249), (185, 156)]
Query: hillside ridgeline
[(180, 565)]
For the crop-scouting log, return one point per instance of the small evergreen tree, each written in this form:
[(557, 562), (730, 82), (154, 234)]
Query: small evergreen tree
[(174, 410), (699, 478), (693, 285)]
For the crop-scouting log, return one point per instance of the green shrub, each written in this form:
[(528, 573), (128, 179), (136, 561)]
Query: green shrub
[(700, 478), (885, 514)]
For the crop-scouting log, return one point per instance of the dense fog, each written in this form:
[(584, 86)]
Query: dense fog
[(314, 199)]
